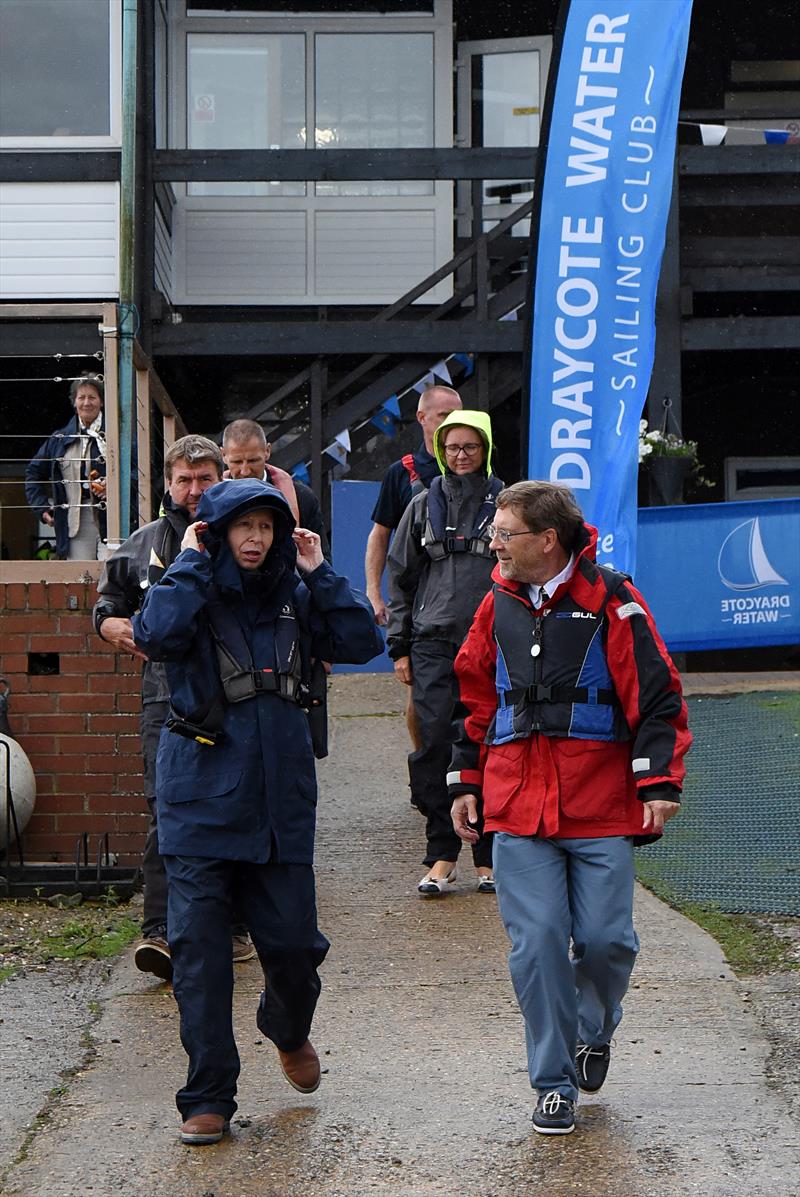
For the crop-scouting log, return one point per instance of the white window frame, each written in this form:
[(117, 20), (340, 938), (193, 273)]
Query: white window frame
[(87, 141), (438, 24)]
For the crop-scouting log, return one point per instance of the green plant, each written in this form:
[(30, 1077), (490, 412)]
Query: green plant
[(654, 444)]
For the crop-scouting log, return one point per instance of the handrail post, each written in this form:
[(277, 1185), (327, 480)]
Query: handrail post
[(318, 373), (126, 326)]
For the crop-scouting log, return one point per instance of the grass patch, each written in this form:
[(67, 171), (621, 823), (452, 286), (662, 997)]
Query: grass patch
[(32, 934), (749, 944), (82, 937)]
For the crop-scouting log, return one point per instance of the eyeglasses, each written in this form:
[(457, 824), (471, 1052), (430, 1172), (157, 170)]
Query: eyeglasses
[(469, 450), (503, 536)]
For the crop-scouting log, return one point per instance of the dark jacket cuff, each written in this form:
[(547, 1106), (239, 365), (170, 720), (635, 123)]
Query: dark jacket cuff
[(663, 792)]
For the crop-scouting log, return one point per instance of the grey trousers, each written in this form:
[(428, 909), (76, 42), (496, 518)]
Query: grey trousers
[(548, 892)]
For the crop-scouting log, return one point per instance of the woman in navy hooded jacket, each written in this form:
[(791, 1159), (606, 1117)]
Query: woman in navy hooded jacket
[(235, 784)]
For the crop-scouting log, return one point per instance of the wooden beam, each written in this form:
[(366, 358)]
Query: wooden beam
[(740, 251), (76, 166), (144, 447), (307, 338), (739, 159), (111, 422), (741, 278), (741, 332), (50, 571), (51, 311), (745, 191), (180, 166)]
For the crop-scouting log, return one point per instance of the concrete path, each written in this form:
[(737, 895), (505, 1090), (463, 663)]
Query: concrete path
[(425, 1092)]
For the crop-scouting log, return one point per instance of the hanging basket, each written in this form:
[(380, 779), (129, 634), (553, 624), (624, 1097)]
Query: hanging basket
[(667, 479)]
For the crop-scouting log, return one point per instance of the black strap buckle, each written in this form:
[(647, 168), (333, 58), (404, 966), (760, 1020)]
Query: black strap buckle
[(538, 693)]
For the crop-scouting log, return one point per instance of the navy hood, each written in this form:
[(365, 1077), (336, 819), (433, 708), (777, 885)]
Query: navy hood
[(226, 501)]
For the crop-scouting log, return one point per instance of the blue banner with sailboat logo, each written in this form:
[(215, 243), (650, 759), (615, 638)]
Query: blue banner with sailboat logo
[(722, 575), (603, 190)]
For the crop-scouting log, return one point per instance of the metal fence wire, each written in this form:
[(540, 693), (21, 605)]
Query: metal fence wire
[(735, 844)]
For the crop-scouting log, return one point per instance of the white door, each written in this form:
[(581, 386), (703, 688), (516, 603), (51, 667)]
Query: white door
[(500, 92)]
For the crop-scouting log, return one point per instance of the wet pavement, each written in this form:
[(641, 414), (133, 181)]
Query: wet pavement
[(425, 1092)]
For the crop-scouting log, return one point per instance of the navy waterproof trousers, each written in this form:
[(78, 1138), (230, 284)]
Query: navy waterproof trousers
[(282, 920)]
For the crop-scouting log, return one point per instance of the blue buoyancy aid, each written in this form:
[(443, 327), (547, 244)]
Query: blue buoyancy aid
[(552, 675)]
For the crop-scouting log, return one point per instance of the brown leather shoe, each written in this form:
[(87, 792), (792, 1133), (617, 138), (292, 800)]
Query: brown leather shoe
[(301, 1068), (242, 949), (203, 1129), (152, 955)]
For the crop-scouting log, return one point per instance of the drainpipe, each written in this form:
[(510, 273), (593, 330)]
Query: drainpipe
[(128, 318)]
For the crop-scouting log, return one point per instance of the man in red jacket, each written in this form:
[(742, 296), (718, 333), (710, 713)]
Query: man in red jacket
[(573, 741)]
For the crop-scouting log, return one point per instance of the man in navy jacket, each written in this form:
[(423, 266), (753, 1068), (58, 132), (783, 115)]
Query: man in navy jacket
[(235, 782)]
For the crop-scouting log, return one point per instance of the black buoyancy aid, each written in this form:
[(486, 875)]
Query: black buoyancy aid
[(239, 677), (439, 541), (552, 674)]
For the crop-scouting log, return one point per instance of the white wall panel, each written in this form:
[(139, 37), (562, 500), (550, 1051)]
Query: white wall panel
[(59, 240), (245, 257), (373, 255)]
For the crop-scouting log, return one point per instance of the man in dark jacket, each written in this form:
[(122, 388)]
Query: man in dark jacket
[(574, 737), (246, 452), (235, 784), (191, 465)]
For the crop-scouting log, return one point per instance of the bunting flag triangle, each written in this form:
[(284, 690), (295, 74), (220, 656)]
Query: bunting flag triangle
[(510, 315), (300, 473), (778, 136), (392, 406), (343, 439), (441, 371), (467, 361), (384, 421), (713, 134), (692, 133), (337, 451), (424, 383)]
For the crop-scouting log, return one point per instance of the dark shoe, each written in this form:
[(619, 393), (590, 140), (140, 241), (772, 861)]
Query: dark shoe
[(554, 1114), (242, 949), (486, 883), (151, 955), (301, 1068), (592, 1065), (203, 1129)]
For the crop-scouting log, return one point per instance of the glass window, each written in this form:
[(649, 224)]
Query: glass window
[(374, 91), (54, 68), (246, 92)]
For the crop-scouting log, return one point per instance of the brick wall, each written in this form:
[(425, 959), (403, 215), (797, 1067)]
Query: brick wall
[(80, 727)]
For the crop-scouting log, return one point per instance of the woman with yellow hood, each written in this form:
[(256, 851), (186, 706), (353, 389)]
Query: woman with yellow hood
[(440, 568)]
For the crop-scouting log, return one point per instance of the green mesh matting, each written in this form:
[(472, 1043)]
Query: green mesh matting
[(736, 843)]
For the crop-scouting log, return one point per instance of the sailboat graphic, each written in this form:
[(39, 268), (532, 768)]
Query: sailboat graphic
[(742, 556)]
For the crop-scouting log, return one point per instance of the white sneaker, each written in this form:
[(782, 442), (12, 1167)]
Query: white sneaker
[(434, 887)]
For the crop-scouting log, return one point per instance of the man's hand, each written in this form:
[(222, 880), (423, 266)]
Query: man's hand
[(379, 607), (309, 550), (119, 633), (191, 539), (402, 670), (657, 813), (464, 812), (374, 565)]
